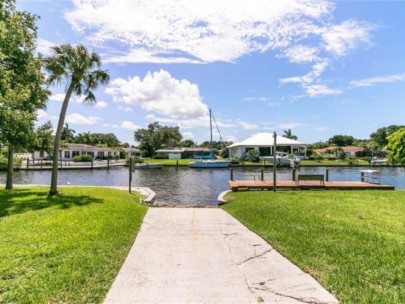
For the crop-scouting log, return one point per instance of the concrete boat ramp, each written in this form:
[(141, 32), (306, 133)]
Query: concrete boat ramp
[(204, 255)]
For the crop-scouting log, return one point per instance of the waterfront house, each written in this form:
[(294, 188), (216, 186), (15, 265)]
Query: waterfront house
[(351, 151), (263, 142), (68, 151), (132, 152), (179, 153)]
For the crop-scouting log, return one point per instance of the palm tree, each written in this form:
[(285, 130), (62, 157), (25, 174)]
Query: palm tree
[(288, 134), (67, 135), (79, 69)]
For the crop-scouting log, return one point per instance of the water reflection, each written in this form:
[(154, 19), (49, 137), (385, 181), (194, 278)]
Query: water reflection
[(192, 186)]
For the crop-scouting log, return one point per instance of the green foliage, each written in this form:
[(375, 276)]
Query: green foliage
[(97, 139), (253, 156), (156, 137), (68, 135), (83, 158), (187, 143), (341, 140), (64, 249), (288, 134), (380, 137), (352, 242), (396, 147), (80, 69), (3, 162), (44, 138)]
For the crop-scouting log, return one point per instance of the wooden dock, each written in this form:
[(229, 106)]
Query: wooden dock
[(241, 185)]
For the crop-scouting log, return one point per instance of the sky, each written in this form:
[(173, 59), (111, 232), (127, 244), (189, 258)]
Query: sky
[(317, 67)]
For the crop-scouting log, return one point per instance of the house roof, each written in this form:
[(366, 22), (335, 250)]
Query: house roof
[(128, 150), (346, 149), (266, 140), (84, 147), (181, 150)]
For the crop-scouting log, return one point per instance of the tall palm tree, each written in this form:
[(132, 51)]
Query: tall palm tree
[(288, 134), (79, 70)]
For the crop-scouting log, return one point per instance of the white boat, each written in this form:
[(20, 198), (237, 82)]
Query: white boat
[(210, 162), (283, 160), (148, 166)]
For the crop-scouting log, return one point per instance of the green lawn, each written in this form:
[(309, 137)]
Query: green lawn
[(353, 242), (333, 163), (65, 249)]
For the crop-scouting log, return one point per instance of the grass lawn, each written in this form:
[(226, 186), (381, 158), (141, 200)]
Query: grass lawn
[(333, 163), (65, 249), (353, 242)]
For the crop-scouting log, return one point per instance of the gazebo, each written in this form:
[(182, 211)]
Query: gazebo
[(263, 142)]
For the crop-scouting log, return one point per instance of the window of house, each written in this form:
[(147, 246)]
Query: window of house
[(41, 154), (264, 151), (67, 154), (75, 153)]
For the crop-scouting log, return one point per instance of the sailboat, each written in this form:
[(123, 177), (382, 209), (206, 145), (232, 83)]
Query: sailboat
[(208, 161)]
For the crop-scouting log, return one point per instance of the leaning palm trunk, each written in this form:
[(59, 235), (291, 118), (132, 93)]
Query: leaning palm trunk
[(54, 178), (10, 165)]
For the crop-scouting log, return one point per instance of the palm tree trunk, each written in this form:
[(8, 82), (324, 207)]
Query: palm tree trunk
[(54, 178), (10, 164)]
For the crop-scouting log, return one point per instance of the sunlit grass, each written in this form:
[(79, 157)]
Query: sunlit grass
[(64, 249), (353, 242)]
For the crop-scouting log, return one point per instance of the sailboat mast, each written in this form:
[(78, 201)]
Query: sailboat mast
[(211, 145)]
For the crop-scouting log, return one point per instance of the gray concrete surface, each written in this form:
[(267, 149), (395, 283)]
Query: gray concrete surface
[(206, 256)]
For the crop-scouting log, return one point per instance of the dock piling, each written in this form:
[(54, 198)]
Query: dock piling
[(327, 175), (262, 175), (231, 172), (293, 174)]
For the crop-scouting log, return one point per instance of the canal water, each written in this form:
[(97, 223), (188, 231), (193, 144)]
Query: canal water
[(192, 187)]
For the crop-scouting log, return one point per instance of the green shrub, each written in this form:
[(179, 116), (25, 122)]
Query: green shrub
[(161, 156), (3, 162), (83, 158), (253, 156), (235, 161)]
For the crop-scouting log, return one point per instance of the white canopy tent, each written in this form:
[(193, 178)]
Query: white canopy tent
[(263, 142)]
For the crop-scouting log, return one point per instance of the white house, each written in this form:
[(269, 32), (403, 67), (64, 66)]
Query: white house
[(132, 152), (179, 153), (263, 142), (69, 151)]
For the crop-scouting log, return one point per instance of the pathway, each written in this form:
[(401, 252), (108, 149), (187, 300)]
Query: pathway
[(191, 255)]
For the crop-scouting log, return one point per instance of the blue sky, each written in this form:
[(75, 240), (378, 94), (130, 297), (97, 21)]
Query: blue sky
[(317, 67)]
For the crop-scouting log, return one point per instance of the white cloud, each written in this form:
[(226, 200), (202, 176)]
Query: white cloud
[(188, 135), (341, 38), (79, 119), (44, 46), (196, 31), (57, 97), (301, 54), (109, 125), (101, 105), (248, 126), (129, 125), (41, 113), (368, 82), (125, 109), (159, 92), (317, 90)]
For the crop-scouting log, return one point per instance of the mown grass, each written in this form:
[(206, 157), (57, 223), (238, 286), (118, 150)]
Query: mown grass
[(64, 249), (358, 162), (353, 242)]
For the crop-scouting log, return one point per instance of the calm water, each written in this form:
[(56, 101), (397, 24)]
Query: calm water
[(190, 186)]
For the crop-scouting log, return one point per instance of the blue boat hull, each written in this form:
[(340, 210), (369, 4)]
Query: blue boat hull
[(210, 164)]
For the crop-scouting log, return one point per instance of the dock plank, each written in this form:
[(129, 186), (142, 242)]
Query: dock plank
[(283, 184)]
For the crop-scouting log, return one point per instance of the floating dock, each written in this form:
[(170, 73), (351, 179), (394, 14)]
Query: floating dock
[(242, 185)]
